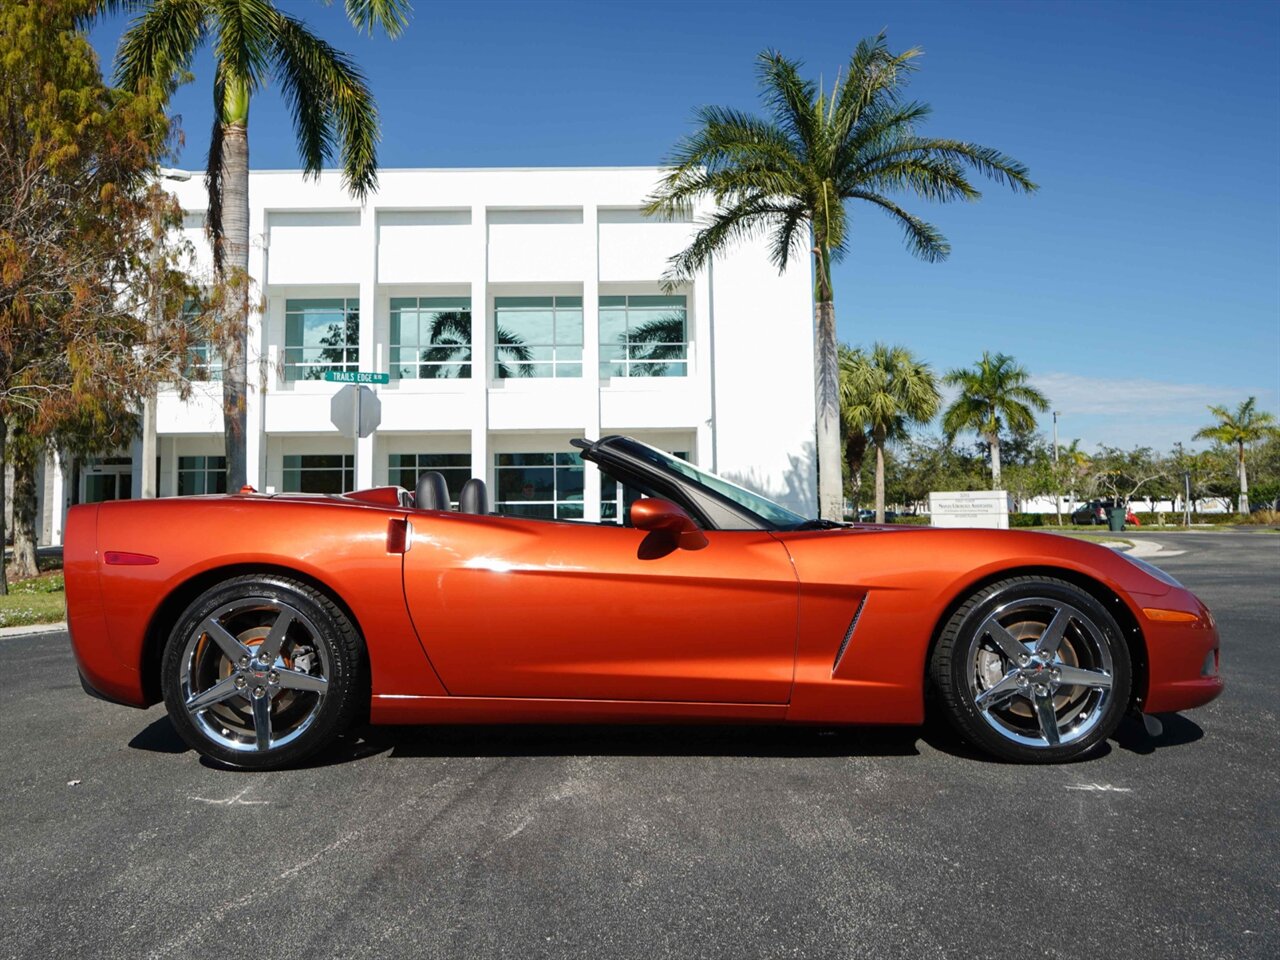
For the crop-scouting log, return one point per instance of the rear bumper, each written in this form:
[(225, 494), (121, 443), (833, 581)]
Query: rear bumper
[(102, 672), (1182, 655)]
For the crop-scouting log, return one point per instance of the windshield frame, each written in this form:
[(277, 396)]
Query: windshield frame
[(719, 503)]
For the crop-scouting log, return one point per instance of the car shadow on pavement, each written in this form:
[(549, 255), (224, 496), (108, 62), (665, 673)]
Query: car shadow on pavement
[(623, 740), (1132, 736), (159, 736)]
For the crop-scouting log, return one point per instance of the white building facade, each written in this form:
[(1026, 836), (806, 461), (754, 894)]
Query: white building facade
[(513, 310)]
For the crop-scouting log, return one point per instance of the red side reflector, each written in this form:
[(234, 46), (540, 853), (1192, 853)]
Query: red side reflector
[(119, 558)]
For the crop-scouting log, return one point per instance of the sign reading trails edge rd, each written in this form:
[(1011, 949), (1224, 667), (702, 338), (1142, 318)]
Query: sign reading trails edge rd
[(356, 376)]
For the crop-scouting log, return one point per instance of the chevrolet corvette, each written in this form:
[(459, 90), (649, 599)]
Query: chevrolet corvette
[(268, 624)]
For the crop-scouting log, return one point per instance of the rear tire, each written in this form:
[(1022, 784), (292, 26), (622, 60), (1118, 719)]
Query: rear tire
[(262, 671), (1032, 669)]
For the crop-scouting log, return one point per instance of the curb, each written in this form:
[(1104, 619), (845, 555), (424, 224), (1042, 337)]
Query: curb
[(33, 628)]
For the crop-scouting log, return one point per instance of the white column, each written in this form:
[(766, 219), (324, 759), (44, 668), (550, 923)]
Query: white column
[(60, 496), (258, 377), (368, 327), (482, 339), (591, 359), (702, 365), (167, 486)]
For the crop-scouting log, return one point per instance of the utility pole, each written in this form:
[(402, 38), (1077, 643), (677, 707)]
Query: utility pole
[(155, 315), (1057, 477)]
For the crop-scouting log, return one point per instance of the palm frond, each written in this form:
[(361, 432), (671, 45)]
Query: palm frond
[(213, 171), (160, 41), (743, 220), (791, 99), (330, 103), (243, 42), (391, 15), (922, 238), (873, 80)]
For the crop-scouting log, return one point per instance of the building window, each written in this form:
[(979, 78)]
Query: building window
[(198, 475), (319, 473), (644, 336), (403, 469), (321, 335), (538, 337), (204, 360), (430, 338), (616, 498), (543, 485)]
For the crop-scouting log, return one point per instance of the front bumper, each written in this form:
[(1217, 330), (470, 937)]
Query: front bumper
[(1182, 653)]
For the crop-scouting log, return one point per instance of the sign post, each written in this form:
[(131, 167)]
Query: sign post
[(355, 409)]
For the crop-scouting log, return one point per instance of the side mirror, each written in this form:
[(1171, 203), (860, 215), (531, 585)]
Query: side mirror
[(663, 516)]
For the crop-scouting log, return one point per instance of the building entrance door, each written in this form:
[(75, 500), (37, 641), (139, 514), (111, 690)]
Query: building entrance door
[(107, 478)]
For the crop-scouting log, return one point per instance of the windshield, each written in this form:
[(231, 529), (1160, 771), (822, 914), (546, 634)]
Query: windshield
[(774, 513)]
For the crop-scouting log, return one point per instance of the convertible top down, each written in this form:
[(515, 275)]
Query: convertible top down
[(268, 623)]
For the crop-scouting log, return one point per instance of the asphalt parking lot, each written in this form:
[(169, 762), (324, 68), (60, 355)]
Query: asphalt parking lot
[(737, 842)]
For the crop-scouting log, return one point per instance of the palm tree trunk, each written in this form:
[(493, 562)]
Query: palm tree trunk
[(1244, 483), (235, 224), (826, 359), (995, 461), (879, 480), (830, 505)]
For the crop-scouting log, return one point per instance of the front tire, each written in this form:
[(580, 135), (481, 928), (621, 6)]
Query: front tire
[(1032, 669), (261, 671)]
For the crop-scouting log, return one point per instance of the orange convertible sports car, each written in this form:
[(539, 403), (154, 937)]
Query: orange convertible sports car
[(267, 624)]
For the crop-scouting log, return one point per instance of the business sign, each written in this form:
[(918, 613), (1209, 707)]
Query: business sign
[(356, 376), (971, 508)]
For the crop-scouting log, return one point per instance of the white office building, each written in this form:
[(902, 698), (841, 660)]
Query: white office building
[(513, 310)]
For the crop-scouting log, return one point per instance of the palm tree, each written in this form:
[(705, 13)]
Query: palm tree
[(995, 394), (789, 175), (883, 392), (1243, 426), (333, 113)]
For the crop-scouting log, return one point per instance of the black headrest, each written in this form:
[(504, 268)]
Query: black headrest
[(473, 498), (432, 492)]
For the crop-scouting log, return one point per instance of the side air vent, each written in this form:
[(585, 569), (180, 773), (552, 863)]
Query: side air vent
[(848, 634)]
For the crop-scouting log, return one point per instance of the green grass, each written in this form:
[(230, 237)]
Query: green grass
[(38, 600)]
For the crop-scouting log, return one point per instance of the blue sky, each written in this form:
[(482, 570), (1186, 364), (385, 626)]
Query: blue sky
[(1140, 284)]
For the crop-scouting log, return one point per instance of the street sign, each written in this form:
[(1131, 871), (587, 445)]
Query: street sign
[(356, 411), (356, 376)]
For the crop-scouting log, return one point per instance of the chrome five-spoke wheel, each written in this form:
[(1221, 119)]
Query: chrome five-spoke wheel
[(252, 675), (1032, 669), (258, 671), (1041, 672)]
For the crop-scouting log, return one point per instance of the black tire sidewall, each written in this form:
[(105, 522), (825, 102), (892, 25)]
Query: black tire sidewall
[(334, 631), (950, 668)]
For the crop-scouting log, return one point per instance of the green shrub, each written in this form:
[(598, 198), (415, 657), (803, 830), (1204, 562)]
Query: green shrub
[(1026, 519)]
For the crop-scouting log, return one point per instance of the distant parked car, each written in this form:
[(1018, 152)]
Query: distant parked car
[(1095, 512)]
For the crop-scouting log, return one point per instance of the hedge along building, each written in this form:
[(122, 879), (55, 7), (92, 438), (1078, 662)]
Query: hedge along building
[(512, 310)]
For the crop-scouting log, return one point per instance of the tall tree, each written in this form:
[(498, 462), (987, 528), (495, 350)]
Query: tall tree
[(995, 395), (78, 273), (884, 392), (792, 174), (1241, 428), (255, 43)]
